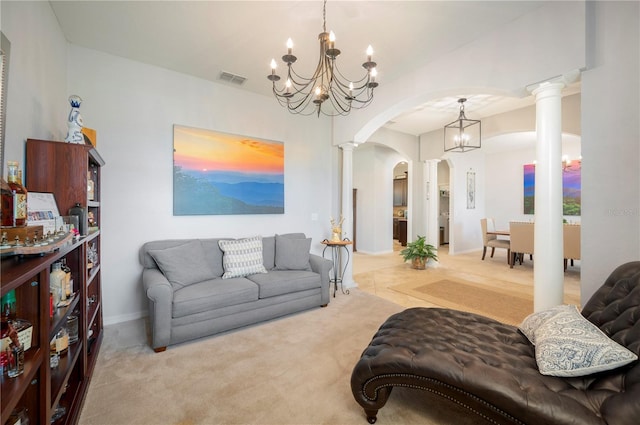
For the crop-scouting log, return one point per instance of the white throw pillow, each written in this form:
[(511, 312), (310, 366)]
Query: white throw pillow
[(242, 257), (567, 344)]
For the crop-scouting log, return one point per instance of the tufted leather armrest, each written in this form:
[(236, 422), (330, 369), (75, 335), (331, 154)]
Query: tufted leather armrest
[(489, 367)]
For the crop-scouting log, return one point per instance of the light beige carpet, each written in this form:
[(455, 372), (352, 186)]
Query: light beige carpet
[(294, 370), (506, 305)]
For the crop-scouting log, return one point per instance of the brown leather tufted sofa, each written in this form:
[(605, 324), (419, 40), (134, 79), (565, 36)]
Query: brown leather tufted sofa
[(489, 368)]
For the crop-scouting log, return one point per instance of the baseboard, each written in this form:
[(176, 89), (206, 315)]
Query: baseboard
[(112, 320), (373, 252)]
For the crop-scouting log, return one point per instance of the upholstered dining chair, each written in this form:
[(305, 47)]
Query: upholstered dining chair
[(571, 241), (492, 240), (521, 235)]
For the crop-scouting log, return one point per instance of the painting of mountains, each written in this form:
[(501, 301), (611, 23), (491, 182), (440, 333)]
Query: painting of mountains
[(571, 188), (217, 173)]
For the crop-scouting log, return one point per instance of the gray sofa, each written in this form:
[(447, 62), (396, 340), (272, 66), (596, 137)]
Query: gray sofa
[(200, 287)]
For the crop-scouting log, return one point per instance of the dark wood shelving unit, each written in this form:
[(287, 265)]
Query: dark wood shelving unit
[(61, 169)]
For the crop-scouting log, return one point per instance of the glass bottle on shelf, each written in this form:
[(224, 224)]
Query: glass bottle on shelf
[(9, 306), (90, 187), (62, 341), (56, 284), (19, 195), (14, 353), (8, 315), (7, 204), (67, 278)]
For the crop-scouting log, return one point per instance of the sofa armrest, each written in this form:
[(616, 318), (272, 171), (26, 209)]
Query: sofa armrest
[(160, 294), (322, 266)]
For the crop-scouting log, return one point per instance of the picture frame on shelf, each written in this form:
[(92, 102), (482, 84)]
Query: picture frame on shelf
[(42, 210)]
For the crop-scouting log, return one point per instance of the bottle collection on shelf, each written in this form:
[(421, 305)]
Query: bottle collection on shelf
[(14, 215), (61, 294), (16, 333), (16, 337)]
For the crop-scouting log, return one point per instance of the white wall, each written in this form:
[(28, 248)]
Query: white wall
[(37, 105), (610, 141)]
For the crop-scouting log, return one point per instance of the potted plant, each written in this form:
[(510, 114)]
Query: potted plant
[(419, 252)]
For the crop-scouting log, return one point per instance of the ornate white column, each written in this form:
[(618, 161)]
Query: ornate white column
[(347, 211), (431, 197), (548, 264)]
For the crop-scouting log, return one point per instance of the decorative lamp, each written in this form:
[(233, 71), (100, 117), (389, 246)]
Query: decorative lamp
[(463, 134), (301, 95)]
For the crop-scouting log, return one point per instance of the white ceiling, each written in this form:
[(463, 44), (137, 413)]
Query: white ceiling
[(205, 38)]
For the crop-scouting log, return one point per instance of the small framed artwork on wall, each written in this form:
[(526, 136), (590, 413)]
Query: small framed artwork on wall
[(471, 190)]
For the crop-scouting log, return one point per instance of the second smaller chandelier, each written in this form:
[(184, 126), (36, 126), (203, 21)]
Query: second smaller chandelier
[(463, 134), (301, 95)]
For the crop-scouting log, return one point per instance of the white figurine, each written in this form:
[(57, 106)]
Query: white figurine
[(74, 134)]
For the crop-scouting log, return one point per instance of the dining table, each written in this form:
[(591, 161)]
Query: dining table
[(499, 232)]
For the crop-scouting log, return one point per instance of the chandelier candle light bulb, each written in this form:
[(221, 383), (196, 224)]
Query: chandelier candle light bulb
[(289, 46)]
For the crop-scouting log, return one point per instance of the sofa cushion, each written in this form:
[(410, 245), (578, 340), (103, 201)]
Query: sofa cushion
[(292, 254), (269, 252), (213, 294), (567, 344), (279, 282), (242, 257), (183, 265), (213, 254)]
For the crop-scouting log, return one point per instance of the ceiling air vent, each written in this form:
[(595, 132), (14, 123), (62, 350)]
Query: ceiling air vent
[(232, 78)]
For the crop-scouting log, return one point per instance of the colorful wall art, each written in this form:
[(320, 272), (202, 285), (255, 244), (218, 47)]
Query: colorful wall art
[(217, 173), (571, 188)]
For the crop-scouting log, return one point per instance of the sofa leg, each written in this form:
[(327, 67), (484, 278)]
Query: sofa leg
[(160, 349), (324, 305)]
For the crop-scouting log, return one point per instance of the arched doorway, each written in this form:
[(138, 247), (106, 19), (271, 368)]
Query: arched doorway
[(382, 197)]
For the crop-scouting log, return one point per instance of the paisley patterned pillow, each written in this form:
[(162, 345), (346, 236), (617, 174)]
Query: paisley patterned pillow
[(567, 344)]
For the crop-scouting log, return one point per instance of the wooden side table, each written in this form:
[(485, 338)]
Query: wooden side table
[(335, 257)]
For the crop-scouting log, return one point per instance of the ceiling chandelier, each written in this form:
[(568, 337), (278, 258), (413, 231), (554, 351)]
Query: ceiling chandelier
[(463, 134), (306, 96)]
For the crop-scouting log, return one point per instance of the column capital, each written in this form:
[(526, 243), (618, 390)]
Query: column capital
[(348, 146), (431, 161), (560, 81), (546, 89)]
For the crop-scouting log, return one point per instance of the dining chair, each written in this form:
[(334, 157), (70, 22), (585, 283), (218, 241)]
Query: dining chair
[(492, 240), (571, 241), (521, 235)]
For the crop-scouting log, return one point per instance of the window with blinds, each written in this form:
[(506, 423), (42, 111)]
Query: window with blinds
[(5, 48)]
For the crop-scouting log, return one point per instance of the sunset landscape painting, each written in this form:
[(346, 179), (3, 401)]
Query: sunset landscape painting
[(571, 188), (217, 173)]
